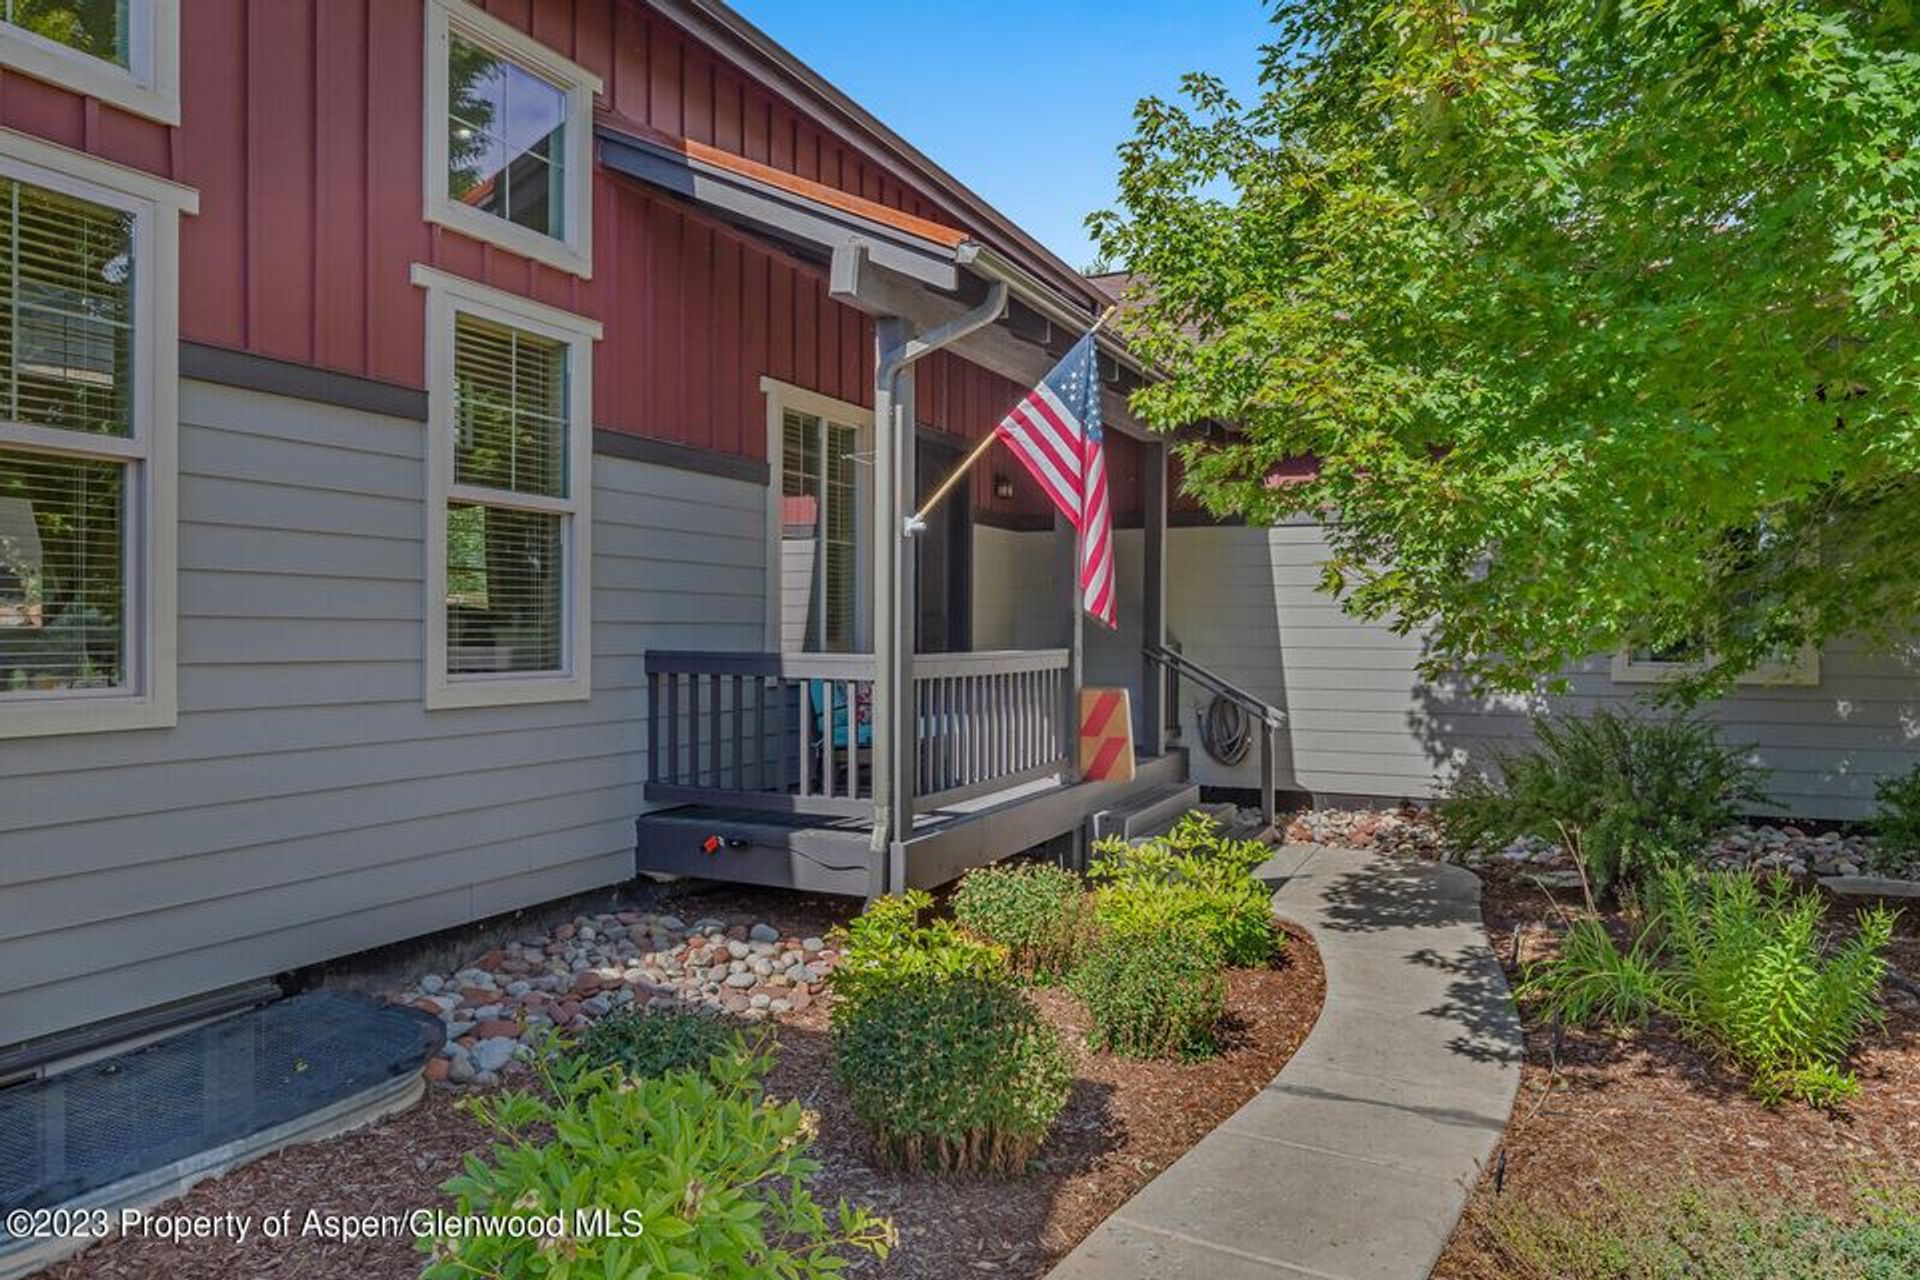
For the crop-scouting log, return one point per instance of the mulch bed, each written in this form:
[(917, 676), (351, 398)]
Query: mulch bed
[(1125, 1121), (1646, 1109)]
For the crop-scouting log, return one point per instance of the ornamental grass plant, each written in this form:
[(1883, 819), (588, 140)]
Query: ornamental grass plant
[(1745, 967)]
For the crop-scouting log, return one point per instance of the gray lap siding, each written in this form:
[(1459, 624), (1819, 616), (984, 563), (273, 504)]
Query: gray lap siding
[(307, 805)]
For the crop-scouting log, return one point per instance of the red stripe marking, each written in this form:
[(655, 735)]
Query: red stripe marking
[(1102, 766), (1102, 711)]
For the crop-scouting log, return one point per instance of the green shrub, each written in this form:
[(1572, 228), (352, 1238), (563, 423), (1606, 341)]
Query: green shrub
[(1625, 795), (1897, 821), (1191, 883), (956, 1074), (892, 944), (652, 1044), (1591, 982), (1750, 974), (1695, 1233), (1153, 995), (700, 1173), (1039, 912), (1743, 967)]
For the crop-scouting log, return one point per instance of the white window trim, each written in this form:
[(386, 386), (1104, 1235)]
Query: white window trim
[(572, 252), (1803, 671), (148, 86), (782, 396), (150, 699), (448, 296)]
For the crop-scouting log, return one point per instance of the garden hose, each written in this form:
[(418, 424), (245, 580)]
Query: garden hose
[(1226, 730)]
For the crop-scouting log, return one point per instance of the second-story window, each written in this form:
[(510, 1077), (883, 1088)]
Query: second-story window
[(123, 52), (99, 28), (508, 138)]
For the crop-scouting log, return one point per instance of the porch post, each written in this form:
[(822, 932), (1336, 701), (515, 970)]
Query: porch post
[(906, 607), (891, 712), (1153, 592), (1067, 552)]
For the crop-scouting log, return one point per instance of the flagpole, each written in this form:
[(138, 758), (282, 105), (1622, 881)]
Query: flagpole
[(918, 520)]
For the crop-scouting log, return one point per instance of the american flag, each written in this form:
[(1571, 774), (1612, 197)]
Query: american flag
[(1055, 432)]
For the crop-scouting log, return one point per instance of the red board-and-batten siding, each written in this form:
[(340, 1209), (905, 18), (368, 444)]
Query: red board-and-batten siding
[(300, 127)]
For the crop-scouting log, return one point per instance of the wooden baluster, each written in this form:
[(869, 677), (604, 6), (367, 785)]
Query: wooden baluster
[(716, 729), (739, 733), (653, 727), (853, 740), (804, 735), (760, 779), (673, 727)]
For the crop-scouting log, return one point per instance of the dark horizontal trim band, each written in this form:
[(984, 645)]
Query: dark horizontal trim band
[(661, 453), (250, 372)]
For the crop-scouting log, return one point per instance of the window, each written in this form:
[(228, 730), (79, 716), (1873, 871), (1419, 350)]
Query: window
[(509, 145), (1746, 557), (509, 485), (123, 52), (822, 511), (1650, 666), (88, 395)]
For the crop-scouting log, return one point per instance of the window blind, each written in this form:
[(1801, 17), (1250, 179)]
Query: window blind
[(66, 363), (506, 566), (62, 559), (511, 413), (66, 311)]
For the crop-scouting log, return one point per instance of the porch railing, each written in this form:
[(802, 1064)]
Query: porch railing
[(988, 721), (792, 732), (781, 731)]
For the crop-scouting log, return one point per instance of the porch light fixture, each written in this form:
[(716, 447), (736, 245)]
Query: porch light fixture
[(1002, 486)]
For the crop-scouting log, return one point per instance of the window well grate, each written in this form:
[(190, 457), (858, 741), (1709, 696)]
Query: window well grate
[(158, 1109)]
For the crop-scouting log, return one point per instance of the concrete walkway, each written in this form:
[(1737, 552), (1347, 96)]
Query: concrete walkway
[(1355, 1163)]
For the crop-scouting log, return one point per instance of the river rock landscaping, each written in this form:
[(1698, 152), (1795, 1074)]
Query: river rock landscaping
[(511, 997), (1758, 844)]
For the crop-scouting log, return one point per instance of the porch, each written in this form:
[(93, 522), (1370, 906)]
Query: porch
[(868, 748), (767, 761)]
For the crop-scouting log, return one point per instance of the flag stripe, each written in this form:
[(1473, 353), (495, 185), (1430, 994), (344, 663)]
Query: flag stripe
[(1063, 492), (1061, 449), (1061, 443)]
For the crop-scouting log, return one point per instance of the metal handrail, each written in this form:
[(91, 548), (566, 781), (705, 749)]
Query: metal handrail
[(1270, 715), (1271, 718)]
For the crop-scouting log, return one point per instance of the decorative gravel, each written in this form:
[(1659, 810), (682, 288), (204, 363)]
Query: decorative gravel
[(1760, 846), (511, 997)]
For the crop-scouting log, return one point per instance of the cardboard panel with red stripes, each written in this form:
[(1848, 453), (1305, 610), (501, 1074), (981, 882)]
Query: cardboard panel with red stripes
[(1106, 735)]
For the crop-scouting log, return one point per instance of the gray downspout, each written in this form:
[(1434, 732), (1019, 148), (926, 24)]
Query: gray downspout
[(894, 736)]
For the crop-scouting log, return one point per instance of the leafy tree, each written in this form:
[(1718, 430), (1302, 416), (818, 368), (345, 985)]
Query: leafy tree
[(1600, 316)]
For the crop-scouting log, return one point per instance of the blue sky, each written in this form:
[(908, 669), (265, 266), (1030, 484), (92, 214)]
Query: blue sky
[(1023, 102)]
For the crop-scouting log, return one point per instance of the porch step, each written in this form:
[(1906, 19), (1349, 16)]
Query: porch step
[(1148, 813)]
